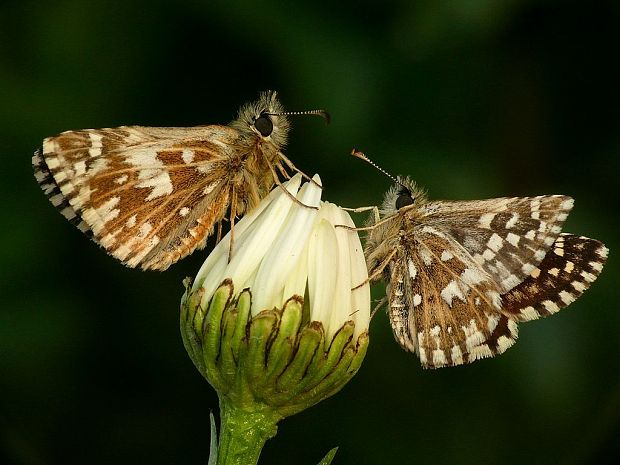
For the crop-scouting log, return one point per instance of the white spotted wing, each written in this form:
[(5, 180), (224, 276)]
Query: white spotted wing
[(150, 196), (508, 237), (461, 274), (443, 305)]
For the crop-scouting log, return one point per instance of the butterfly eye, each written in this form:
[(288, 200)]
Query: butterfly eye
[(264, 125), (403, 200)]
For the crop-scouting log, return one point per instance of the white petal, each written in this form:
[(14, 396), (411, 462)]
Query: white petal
[(281, 246), (360, 297), (341, 308), (298, 278), (322, 271), (221, 249), (281, 259), (250, 245)]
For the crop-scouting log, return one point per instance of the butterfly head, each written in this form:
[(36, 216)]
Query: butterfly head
[(405, 197), (402, 195), (265, 119)]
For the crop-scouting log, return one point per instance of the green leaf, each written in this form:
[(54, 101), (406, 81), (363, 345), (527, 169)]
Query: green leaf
[(328, 458), (213, 442)]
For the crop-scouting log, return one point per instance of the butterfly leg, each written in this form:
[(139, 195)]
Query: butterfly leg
[(279, 184), (374, 310), (283, 172), (292, 166), (365, 228), (219, 232), (372, 208), (233, 214), (378, 306)]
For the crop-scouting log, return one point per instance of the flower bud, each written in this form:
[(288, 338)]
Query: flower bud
[(282, 323)]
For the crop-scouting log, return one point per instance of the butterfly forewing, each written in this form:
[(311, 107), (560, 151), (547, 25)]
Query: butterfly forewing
[(443, 305), (52, 191), (151, 196), (133, 187), (508, 237)]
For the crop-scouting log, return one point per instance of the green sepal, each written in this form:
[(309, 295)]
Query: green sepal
[(282, 346), (227, 362), (262, 329), (329, 386), (243, 307), (339, 342), (264, 367), (351, 365), (360, 352), (212, 329), (309, 340), (192, 340)]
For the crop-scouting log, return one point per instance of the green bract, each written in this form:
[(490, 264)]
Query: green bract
[(278, 328)]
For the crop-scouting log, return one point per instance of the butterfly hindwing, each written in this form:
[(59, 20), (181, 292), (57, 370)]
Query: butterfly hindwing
[(443, 305), (568, 269)]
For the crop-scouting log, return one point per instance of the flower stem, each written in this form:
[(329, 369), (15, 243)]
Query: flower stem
[(243, 433)]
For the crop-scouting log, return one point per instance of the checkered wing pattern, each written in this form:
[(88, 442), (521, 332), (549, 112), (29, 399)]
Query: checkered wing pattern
[(462, 275), (568, 269), (149, 196), (443, 305), (507, 237)]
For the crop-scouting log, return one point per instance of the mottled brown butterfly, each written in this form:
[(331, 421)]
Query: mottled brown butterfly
[(151, 196), (461, 274)]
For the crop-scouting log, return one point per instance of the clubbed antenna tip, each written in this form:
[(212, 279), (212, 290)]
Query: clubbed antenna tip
[(356, 153)]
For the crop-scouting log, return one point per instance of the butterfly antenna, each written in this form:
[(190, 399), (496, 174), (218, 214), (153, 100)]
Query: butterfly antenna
[(322, 113), (356, 153)]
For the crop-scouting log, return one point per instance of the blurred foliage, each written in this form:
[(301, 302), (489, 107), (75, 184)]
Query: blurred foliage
[(473, 99)]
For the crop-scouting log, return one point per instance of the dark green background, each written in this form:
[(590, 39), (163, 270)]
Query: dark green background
[(474, 99)]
